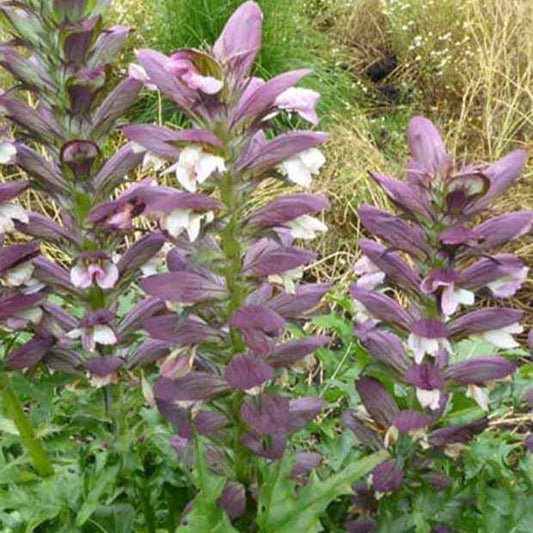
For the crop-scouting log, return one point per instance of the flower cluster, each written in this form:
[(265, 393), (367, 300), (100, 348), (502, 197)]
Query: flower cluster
[(412, 296), (62, 56), (232, 282), (20, 292)]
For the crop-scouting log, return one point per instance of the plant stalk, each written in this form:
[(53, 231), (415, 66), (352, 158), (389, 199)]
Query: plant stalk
[(33, 445), (232, 251)]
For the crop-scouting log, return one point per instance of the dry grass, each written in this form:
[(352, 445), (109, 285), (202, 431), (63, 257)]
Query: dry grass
[(467, 66), (351, 155)]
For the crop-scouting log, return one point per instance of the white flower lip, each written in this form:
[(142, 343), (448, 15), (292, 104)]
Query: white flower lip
[(301, 168), (420, 346), (503, 338), (306, 227), (479, 395), (302, 101), (9, 213), (8, 151), (453, 297), (507, 286), (195, 166), (429, 398), (180, 220)]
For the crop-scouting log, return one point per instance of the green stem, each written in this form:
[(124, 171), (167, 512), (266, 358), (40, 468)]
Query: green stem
[(232, 250), (22, 422), (149, 515), (231, 246)]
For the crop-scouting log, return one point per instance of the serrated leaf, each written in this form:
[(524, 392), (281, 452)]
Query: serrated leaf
[(283, 510), (107, 477), (206, 514), (7, 426), (119, 518), (336, 322), (13, 473)]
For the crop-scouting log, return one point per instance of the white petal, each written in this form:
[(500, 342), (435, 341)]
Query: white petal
[(370, 281), (297, 172), (137, 72), (20, 275), (507, 286), (193, 229), (109, 279), (7, 152), (176, 221), (152, 161), (208, 164), (137, 148), (306, 227), (185, 176), (500, 338), (14, 212), (445, 345), (32, 286), (479, 395), (365, 266), (465, 297), (190, 156), (431, 346), (414, 343), (301, 100), (287, 279), (428, 398), (449, 302), (361, 312), (6, 225), (150, 267), (270, 116), (79, 277), (104, 335), (74, 333), (515, 328), (313, 159)]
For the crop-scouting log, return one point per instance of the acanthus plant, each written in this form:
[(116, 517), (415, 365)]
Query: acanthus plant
[(412, 300), (91, 253), (233, 281)]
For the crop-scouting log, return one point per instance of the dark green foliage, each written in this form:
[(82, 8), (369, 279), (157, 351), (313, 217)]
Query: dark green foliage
[(114, 472)]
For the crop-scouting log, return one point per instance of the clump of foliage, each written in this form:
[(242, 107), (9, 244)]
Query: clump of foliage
[(415, 383)]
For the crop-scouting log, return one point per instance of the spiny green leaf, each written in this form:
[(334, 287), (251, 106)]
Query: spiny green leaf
[(207, 515), (92, 503), (283, 510)]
